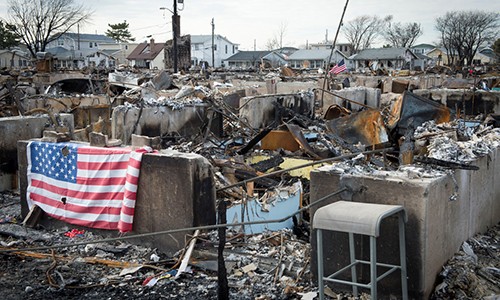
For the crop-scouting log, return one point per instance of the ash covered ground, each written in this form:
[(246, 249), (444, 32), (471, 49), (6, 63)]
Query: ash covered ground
[(119, 270)]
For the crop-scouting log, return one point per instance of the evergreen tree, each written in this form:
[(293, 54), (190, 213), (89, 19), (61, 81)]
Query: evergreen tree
[(119, 32), (8, 37)]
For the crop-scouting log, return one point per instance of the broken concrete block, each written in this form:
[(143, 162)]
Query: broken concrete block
[(55, 137), (141, 141), (98, 139)]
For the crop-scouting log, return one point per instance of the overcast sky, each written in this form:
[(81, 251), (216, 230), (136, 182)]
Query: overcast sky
[(249, 22)]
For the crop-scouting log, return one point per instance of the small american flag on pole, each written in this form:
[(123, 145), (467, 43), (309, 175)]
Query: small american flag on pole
[(82, 185), (338, 68)]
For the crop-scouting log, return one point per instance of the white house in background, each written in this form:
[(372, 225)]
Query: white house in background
[(78, 50), (201, 49)]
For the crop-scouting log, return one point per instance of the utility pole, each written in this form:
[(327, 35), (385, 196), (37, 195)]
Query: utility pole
[(213, 44), (176, 32), (78, 35)]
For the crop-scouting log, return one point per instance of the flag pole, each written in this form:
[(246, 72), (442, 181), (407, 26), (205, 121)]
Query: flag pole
[(333, 48)]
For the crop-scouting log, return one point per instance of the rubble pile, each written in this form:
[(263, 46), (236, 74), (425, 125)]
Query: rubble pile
[(474, 272), (248, 142), (272, 265)]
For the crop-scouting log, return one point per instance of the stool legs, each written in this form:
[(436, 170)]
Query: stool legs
[(353, 259), (402, 255), (319, 241), (373, 267)]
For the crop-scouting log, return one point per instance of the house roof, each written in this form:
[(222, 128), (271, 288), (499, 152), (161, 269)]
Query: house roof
[(313, 54), (429, 46), (382, 53), (65, 54), (200, 39), (16, 53), (421, 56), (247, 55), (143, 51), (89, 37)]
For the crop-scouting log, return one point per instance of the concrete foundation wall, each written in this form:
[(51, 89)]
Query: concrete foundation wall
[(436, 226), (13, 129), (158, 121), (259, 111), (175, 190), (364, 95)]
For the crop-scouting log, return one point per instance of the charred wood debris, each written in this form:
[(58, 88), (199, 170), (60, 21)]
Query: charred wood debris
[(270, 265)]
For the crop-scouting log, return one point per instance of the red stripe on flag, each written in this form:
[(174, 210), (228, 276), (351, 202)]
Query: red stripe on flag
[(76, 208), (84, 195), (101, 181)]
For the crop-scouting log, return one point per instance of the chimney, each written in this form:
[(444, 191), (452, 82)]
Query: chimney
[(151, 43)]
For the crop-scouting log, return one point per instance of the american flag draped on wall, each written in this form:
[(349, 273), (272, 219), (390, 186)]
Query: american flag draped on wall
[(82, 185), (338, 68)]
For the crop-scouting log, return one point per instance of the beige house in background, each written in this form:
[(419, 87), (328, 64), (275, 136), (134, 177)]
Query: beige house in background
[(120, 51), (440, 56)]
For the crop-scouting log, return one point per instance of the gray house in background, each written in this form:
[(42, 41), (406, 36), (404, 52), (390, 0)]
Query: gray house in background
[(254, 59), (389, 58), (314, 58)]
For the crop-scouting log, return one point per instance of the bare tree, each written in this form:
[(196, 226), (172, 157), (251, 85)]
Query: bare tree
[(272, 44), (277, 40), (403, 35), (363, 31), (462, 33), (38, 22)]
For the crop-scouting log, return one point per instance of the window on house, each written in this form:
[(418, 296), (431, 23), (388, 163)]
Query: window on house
[(95, 44), (196, 46), (90, 45), (215, 47), (226, 49), (233, 49), (60, 42), (126, 47)]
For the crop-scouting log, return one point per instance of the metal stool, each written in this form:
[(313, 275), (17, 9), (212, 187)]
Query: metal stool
[(365, 219)]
